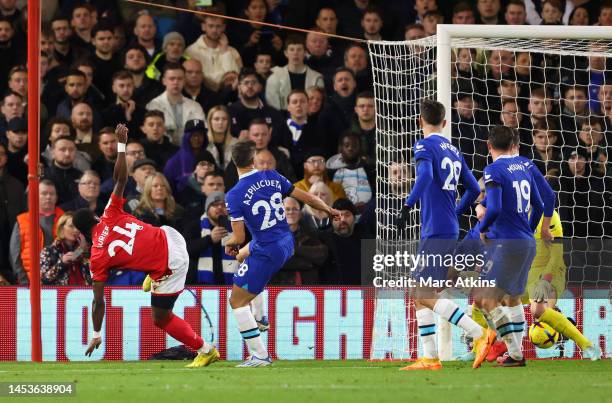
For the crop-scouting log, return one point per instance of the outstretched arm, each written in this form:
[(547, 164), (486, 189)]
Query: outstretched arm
[(120, 174), (97, 316), (313, 201)]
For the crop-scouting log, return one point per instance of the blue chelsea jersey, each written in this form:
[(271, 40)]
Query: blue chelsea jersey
[(438, 201), (513, 176), (257, 199)]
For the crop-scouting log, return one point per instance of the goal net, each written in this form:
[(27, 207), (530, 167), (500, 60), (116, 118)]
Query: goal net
[(557, 94)]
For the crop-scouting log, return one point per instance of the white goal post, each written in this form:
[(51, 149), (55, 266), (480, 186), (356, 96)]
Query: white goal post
[(406, 72)]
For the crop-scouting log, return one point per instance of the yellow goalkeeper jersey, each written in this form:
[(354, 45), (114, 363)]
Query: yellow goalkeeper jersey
[(555, 226)]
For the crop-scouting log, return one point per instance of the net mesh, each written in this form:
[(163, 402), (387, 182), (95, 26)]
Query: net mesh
[(557, 94)]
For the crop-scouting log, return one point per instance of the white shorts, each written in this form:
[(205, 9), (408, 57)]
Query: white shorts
[(178, 263)]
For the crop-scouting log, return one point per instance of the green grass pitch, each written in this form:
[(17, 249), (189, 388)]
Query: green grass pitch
[(320, 382)]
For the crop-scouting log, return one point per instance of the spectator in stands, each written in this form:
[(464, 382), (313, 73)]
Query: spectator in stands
[(591, 140), (545, 152), (18, 81), (316, 100), (92, 93), (220, 139), (365, 125), (104, 60), (579, 16), (89, 194), (204, 180), (75, 91), (82, 25), (309, 254), (338, 112), (327, 21), (62, 171), (21, 238), (320, 56), (539, 107), (214, 266), (515, 14), (194, 86), (263, 65), (12, 107), (12, 197), (250, 106), (107, 145), (156, 144), (350, 170), (298, 134), (11, 52), (173, 48), (552, 12), (133, 151), (317, 220), (264, 161), (356, 59), (372, 23), (344, 243), (135, 62), (63, 262), (261, 133), (212, 50), (157, 205), (422, 7), (414, 31), (59, 127), (605, 14), (123, 108), (16, 145), (141, 170), (295, 75), (314, 171), (252, 39), (510, 115), (575, 107), (64, 52), (145, 30), (193, 148), (463, 13), (468, 129), (177, 109), (431, 20), (82, 121), (488, 11), (605, 103)]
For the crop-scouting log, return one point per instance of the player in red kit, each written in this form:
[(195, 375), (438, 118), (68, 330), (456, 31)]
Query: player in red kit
[(120, 240)]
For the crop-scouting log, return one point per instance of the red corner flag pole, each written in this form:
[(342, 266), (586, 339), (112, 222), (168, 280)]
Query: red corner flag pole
[(33, 160)]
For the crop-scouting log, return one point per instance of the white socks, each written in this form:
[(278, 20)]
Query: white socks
[(257, 306), (505, 330), (517, 317), (250, 332), (452, 313), (427, 332)]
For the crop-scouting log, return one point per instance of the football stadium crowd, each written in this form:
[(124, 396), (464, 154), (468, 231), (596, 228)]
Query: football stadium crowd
[(189, 86)]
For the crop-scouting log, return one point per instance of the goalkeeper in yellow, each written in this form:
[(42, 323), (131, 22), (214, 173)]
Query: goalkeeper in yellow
[(546, 282)]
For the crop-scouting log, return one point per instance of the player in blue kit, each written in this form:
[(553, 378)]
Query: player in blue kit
[(440, 168), (507, 229), (257, 202)]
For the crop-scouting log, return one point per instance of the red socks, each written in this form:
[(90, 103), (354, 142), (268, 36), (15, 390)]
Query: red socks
[(182, 331)]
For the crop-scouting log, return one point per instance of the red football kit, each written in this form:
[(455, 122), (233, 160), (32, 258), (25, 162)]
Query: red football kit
[(121, 241)]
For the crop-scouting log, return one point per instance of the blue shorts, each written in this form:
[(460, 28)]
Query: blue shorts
[(263, 262), (509, 264), (435, 254)]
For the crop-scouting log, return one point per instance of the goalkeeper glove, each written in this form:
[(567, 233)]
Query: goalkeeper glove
[(402, 219), (541, 291)]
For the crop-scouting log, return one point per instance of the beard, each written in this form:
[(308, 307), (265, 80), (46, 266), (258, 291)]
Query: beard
[(137, 71)]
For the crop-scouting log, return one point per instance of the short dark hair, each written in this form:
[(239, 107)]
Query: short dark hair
[(84, 220), (60, 138), (10, 93), (501, 138), (520, 3), (173, 66), (214, 173), (343, 69), (83, 62), (243, 153), (154, 113), (365, 94), (103, 25), (246, 72), (576, 87), (352, 134), (76, 73), (461, 7), (344, 204), (259, 121), (432, 112), (122, 75), (373, 10), (592, 120), (295, 39)]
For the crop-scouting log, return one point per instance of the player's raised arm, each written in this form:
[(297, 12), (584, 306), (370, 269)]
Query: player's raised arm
[(313, 201), (97, 316), (472, 190), (120, 174)]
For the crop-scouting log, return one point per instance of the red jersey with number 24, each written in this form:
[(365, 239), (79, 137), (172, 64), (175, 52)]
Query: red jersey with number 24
[(121, 241)]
